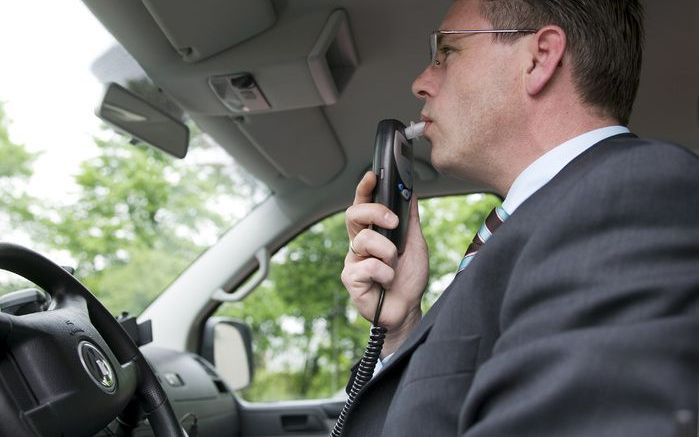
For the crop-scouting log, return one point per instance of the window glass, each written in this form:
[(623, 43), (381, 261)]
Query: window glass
[(128, 217), (306, 333)]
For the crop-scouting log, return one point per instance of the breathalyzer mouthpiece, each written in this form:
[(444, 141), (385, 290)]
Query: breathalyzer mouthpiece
[(415, 130)]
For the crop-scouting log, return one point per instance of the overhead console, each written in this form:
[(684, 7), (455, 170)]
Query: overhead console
[(251, 58), (328, 65), (264, 68), (276, 105)]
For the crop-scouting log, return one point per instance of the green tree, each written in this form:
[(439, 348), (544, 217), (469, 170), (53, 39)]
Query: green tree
[(449, 224), (141, 217), (15, 201), (307, 334), (15, 172), (136, 218)]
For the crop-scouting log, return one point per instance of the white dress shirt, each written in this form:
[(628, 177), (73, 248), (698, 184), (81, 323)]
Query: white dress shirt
[(539, 172)]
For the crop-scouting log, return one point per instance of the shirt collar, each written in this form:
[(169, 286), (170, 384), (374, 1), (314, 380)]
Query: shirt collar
[(539, 172)]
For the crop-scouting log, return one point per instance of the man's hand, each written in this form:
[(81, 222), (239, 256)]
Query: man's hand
[(374, 263)]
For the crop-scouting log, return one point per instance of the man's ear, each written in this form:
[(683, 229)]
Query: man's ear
[(546, 53)]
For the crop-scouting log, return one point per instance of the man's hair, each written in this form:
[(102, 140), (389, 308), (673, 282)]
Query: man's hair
[(604, 42)]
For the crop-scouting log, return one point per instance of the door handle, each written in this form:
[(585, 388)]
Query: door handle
[(302, 422)]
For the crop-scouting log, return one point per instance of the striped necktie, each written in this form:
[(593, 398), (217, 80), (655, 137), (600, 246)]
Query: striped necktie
[(494, 219)]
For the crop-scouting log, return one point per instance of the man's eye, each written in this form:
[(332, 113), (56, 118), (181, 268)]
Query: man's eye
[(443, 52)]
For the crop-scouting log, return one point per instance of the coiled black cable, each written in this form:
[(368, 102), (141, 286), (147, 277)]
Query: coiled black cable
[(365, 369)]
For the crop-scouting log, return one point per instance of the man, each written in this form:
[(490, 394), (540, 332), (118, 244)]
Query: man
[(580, 314)]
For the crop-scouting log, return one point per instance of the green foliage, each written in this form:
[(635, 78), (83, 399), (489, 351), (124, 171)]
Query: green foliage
[(15, 202), (306, 332), (141, 217), (16, 161), (132, 285), (449, 224), (15, 171), (138, 218)]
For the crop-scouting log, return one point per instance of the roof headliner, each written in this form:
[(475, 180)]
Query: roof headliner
[(392, 52)]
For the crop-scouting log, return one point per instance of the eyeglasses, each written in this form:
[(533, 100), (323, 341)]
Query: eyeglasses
[(438, 53)]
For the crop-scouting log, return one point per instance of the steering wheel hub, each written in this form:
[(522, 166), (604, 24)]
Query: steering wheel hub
[(97, 366)]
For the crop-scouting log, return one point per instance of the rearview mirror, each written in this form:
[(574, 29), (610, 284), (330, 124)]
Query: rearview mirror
[(139, 119)]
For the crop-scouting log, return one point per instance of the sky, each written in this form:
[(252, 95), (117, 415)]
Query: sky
[(49, 95), (48, 91)]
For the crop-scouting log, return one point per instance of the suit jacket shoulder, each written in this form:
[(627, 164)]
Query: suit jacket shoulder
[(565, 319)]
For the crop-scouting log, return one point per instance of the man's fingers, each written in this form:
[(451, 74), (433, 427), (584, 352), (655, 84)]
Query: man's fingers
[(362, 277), (414, 227), (368, 243), (365, 188), (414, 210), (363, 215)]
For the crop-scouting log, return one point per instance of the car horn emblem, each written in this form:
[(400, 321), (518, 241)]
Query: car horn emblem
[(97, 366)]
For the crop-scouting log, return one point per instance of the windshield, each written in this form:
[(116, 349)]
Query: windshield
[(127, 217)]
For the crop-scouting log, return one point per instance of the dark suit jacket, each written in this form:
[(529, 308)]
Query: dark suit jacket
[(579, 316)]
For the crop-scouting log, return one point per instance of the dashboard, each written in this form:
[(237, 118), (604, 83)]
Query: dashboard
[(201, 400)]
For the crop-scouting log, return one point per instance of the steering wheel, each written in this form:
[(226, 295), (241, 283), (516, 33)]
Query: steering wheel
[(71, 370)]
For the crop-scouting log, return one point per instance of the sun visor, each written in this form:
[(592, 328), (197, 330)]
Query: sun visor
[(299, 144), (202, 28)]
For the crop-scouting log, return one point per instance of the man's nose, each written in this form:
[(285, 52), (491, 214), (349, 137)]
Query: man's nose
[(425, 85)]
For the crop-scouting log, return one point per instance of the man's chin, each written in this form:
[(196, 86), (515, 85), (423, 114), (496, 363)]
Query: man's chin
[(450, 168), (443, 166)]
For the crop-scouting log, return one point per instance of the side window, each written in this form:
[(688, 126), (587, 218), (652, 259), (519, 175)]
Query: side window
[(306, 333)]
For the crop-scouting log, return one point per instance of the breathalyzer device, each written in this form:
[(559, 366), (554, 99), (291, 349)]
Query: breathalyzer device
[(393, 166)]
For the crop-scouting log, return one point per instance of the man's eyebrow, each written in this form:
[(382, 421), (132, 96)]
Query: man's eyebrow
[(447, 38), (443, 39)]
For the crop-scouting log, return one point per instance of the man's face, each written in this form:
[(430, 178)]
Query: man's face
[(471, 99)]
